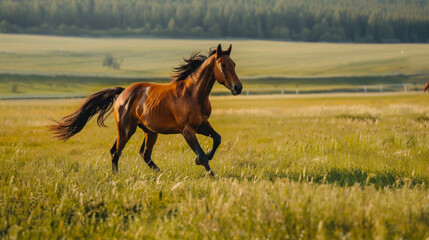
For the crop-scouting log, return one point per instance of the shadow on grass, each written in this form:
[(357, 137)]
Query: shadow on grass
[(423, 118), (359, 117), (349, 177)]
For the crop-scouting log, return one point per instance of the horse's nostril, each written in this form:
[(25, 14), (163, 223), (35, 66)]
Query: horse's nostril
[(236, 88)]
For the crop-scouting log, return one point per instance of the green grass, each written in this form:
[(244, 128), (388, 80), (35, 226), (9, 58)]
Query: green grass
[(15, 85), (146, 57), (56, 66), (35, 85), (288, 167)]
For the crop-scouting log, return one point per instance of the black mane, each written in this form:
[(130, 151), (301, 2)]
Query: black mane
[(190, 65)]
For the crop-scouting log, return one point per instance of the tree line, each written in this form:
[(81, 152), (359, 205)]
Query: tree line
[(297, 20)]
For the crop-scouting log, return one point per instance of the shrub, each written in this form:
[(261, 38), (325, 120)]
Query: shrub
[(111, 62)]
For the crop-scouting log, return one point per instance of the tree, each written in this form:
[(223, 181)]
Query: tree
[(171, 24), (111, 62), (339, 20), (4, 27), (320, 29)]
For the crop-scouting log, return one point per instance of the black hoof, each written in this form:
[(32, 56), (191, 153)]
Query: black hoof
[(156, 169), (115, 168), (211, 174)]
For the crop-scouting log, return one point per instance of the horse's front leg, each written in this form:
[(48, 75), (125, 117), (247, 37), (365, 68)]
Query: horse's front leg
[(191, 138), (206, 129)]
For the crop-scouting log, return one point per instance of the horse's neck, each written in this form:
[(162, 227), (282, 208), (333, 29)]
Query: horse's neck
[(204, 80)]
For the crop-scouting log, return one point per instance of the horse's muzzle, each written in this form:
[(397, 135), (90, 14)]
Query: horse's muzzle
[(236, 89)]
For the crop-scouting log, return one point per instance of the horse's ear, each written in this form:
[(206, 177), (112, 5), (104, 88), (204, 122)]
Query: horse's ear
[(219, 50), (228, 51)]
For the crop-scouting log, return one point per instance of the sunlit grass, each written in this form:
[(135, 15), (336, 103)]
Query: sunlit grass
[(288, 167)]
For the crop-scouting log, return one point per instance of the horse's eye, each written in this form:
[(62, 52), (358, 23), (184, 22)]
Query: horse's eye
[(223, 65)]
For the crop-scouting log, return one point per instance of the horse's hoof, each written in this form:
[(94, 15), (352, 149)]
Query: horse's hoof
[(211, 174)]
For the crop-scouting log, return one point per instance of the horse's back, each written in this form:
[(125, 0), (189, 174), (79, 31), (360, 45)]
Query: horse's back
[(127, 102), (148, 104), (130, 95)]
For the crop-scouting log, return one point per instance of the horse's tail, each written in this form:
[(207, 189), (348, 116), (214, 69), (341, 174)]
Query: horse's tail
[(99, 102)]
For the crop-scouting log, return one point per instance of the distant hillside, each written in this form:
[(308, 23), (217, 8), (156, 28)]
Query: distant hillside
[(298, 20)]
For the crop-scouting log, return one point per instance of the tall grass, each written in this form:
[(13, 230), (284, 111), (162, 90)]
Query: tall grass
[(297, 168)]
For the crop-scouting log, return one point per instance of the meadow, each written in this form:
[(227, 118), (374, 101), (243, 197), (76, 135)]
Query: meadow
[(48, 66), (332, 166), (148, 57), (42, 86)]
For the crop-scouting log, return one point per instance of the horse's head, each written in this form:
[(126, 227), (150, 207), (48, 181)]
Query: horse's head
[(224, 71)]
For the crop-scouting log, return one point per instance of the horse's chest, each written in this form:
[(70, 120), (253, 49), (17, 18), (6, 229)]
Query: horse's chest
[(193, 116), (206, 108)]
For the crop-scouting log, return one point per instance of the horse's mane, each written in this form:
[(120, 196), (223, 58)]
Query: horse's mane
[(190, 65)]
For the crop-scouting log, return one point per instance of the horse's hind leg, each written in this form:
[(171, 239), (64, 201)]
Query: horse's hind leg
[(147, 147), (113, 149), (125, 133)]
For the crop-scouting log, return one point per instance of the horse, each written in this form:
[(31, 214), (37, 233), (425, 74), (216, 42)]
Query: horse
[(179, 107), (426, 87)]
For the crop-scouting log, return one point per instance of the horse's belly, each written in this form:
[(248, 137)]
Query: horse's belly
[(163, 128), (160, 122)]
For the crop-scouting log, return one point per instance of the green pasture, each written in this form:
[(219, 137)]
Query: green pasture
[(47, 66), (305, 167), (147, 57), (15, 85)]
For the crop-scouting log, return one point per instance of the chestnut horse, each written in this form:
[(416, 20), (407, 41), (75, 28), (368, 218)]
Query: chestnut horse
[(426, 87), (182, 106)]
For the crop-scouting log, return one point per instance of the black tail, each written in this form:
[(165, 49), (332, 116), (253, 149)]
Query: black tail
[(99, 102)]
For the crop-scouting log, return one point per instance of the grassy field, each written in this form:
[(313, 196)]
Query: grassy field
[(13, 85), (309, 167), (52, 66), (146, 57)]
